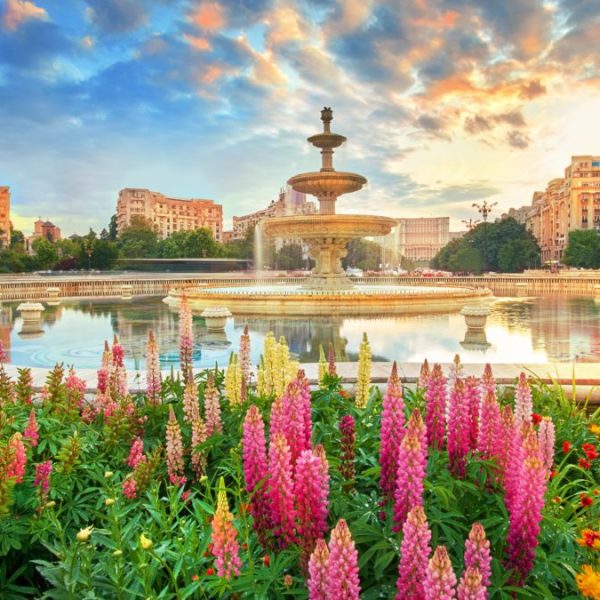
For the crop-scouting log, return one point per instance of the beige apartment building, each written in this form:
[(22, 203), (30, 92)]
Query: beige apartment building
[(568, 203), (4, 216), (168, 215), (420, 239)]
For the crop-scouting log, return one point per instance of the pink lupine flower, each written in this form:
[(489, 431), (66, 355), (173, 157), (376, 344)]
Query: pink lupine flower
[(414, 555), (347, 441), (136, 453), (198, 437), (244, 353), (212, 407), (523, 402), (392, 432), (280, 490), (488, 382), (42, 477), (31, 431), (311, 491), (174, 450), (331, 360), (118, 354), (276, 418), (2, 353), (477, 555), (17, 458), (504, 438), (191, 409), (489, 425), (412, 464), (342, 581), (513, 470), (130, 487), (436, 408), (153, 374), (546, 438), (117, 372), (458, 430), (424, 375), (440, 581), (473, 404), (297, 423), (318, 572), (225, 547), (102, 383), (470, 586), (526, 512), (75, 387), (186, 337), (455, 371), (254, 456)]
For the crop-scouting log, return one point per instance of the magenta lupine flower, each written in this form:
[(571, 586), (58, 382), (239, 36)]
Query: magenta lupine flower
[(424, 375), (440, 581), (244, 354), (254, 456), (347, 440), (436, 408), (280, 490), (412, 464), (118, 354), (17, 458), (318, 572), (513, 471), (130, 487), (546, 437), (523, 402), (488, 382), (414, 556), (31, 431), (186, 337), (136, 453), (504, 439), (117, 372), (2, 353), (276, 418), (212, 407), (392, 432), (331, 360), (311, 491), (174, 450), (297, 423), (473, 403), (225, 547), (42, 476), (342, 581), (102, 381), (458, 429), (478, 556), (75, 387), (526, 512), (470, 586), (489, 424), (197, 458), (153, 374), (191, 408)]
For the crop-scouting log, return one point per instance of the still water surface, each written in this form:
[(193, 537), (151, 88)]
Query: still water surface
[(533, 330)]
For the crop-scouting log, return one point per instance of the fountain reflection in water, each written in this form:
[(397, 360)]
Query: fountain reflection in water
[(259, 248)]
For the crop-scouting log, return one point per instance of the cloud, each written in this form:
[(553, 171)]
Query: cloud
[(514, 118), (532, 89), (517, 139), (477, 124), (17, 12), (117, 16), (209, 16)]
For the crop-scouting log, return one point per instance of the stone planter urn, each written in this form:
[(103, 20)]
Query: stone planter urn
[(475, 339), (215, 318), (31, 311), (126, 291), (53, 294), (475, 316)]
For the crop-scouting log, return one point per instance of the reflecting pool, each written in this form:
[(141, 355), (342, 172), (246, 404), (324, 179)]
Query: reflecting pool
[(533, 330)]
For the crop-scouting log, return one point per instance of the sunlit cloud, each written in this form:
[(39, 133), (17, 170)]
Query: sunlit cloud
[(17, 12)]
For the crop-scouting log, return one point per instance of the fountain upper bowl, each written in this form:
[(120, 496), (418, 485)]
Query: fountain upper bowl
[(327, 183), (307, 227)]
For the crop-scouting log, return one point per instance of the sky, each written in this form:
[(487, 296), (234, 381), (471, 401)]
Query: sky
[(444, 102)]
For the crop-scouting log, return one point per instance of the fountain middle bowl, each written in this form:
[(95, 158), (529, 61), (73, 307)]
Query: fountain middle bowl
[(319, 183), (318, 226)]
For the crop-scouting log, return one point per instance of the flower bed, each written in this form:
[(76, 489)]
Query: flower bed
[(213, 487)]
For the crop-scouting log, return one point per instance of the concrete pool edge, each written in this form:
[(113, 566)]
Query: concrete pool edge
[(585, 376)]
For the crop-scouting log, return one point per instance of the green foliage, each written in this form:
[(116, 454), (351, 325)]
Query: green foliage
[(197, 243), (583, 249), (363, 254), (139, 240), (289, 257), (516, 255), (46, 253)]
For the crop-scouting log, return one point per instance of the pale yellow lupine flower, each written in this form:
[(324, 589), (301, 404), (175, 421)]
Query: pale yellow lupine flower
[(363, 379)]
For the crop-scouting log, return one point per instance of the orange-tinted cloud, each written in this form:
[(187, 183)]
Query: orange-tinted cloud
[(211, 74), (445, 21), (198, 42), (209, 16), (17, 12)]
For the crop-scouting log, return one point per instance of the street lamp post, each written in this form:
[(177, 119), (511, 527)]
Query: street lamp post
[(470, 224), (484, 209)]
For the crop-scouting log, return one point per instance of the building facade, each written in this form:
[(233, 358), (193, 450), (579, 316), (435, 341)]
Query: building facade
[(289, 202), (567, 204), (4, 216), (420, 239), (42, 230), (168, 215)]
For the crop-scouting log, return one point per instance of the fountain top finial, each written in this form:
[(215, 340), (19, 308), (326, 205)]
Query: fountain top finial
[(326, 117)]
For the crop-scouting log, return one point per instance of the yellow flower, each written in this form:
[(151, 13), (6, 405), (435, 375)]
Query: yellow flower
[(50, 504), (588, 582), (84, 534), (145, 542), (117, 552), (109, 502), (108, 474), (595, 429)]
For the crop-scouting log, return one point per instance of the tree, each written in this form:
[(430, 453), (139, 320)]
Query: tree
[(289, 257), (517, 255), (466, 258), (139, 240), (583, 249), (112, 228), (104, 254), (46, 253), (363, 254)]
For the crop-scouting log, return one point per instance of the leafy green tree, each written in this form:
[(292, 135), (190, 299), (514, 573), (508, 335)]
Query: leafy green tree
[(112, 228), (46, 253), (467, 258), (17, 239), (104, 255), (289, 257), (583, 249), (139, 240), (517, 255), (363, 254)]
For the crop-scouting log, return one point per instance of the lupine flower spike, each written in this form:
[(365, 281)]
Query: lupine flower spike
[(343, 582), (458, 429), (414, 555), (31, 431), (347, 440), (212, 407), (392, 432), (225, 547), (281, 493), (331, 360), (424, 375), (473, 404), (470, 586), (363, 380), (17, 458), (318, 572), (523, 402), (245, 353), (546, 436), (477, 554), (153, 374), (322, 363), (440, 581), (436, 408), (174, 450), (186, 337), (488, 383)]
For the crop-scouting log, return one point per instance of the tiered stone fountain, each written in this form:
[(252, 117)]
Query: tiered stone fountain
[(328, 290)]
